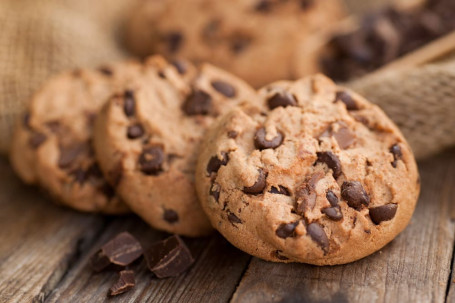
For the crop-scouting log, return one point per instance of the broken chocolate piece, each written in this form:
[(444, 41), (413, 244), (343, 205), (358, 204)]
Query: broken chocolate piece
[(318, 235), (121, 251), (354, 194), (168, 258), (383, 213), (215, 192), (281, 190), (261, 143), (306, 194), (215, 164), (258, 187), (234, 219), (286, 230), (332, 161), (124, 283), (345, 137)]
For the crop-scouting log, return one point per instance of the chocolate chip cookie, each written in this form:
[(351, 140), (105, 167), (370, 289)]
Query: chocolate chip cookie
[(52, 141), (147, 139), (315, 174), (257, 40)]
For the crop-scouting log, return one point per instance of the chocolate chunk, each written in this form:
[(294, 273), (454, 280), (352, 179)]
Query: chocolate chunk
[(383, 213), (397, 154), (69, 154), (263, 6), (171, 216), (286, 230), (240, 43), (260, 141), (345, 137), (36, 139), (105, 70), (198, 103), (151, 160), (135, 131), (332, 198), (124, 283), (215, 163), (332, 162), (129, 103), (354, 194), (232, 134), (121, 251), (347, 100), (234, 219), (179, 66), (215, 192), (281, 190), (306, 194), (318, 235), (258, 187), (168, 258), (174, 41), (224, 88), (334, 213), (283, 99)]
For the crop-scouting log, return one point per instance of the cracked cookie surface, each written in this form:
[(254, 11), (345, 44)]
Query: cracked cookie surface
[(147, 139), (314, 174)]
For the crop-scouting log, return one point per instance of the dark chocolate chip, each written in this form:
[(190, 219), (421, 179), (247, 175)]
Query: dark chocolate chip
[(278, 254), (263, 6), (107, 190), (260, 141), (121, 251), (306, 4), (69, 154), (79, 175), (36, 139), (281, 190), (174, 41), (332, 162), (168, 258), (332, 198), (240, 43), (151, 160), (397, 154), (124, 283), (306, 194), (215, 192), (232, 134), (334, 213), (198, 103), (161, 74), (224, 88), (283, 99), (354, 194), (179, 66), (286, 230), (318, 235), (215, 163), (129, 103), (234, 219), (347, 100), (258, 187), (171, 216), (383, 213), (345, 137), (105, 70), (135, 131), (55, 126), (26, 120)]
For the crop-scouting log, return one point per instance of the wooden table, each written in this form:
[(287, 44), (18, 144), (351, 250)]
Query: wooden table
[(44, 253)]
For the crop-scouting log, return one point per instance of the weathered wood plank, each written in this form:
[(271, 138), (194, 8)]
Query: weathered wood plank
[(413, 268), (212, 278), (39, 240)]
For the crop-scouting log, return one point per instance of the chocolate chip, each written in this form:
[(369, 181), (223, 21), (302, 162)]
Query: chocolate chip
[(305, 199), (306, 4), (259, 186), (334, 213), (354, 194), (234, 219), (36, 139), (215, 192), (286, 230), (347, 100), (107, 190), (281, 190), (79, 175), (55, 126), (69, 154), (224, 88), (332, 162), (278, 254), (171, 216), (345, 137), (260, 141), (105, 70), (215, 163), (283, 99), (232, 134), (161, 74), (383, 213), (116, 174), (332, 198), (151, 160), (124, 283), (168, 258), (26, 120), (135, 131), (174, 41), (263, 6), (129, 103), (240, 43), (179, 66), (318, 235), (121, 251), (397, 154), (198, 103)]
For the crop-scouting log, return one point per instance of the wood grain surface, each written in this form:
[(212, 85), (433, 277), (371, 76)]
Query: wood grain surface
[(45, 251)]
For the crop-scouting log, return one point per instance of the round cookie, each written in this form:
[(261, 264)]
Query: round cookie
[(257, 40), (147, 139), (52, 141), (315, 174)]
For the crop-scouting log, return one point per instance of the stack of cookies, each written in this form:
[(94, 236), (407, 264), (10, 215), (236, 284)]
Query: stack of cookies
[(297, 171)]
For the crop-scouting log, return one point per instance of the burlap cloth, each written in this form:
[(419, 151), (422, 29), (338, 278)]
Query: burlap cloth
[(41, 37)]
